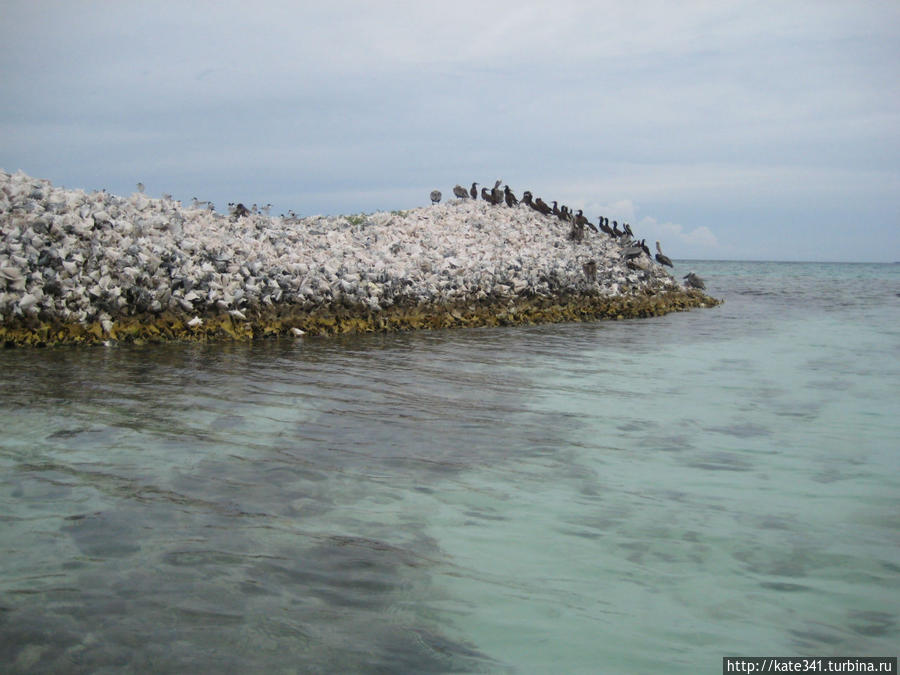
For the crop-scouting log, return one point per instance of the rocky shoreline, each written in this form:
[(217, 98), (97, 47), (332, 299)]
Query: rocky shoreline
[(78, 267)]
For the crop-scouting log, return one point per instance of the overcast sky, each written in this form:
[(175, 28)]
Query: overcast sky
[(741, 130)]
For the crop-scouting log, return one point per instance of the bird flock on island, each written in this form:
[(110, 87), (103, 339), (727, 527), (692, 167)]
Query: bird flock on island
[(75, 256), (631, 247)]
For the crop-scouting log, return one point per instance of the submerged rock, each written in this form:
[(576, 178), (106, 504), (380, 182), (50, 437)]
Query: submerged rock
[(84, 267)]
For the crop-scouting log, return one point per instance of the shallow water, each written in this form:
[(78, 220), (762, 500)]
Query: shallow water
[(606, 497)]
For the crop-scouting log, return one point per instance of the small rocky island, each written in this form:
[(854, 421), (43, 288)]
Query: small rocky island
[(79, 267)]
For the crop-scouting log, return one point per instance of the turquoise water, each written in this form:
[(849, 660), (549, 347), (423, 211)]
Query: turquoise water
[(620, 497)]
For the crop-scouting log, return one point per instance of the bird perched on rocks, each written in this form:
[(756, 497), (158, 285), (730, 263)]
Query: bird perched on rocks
[(239, 210), (526, 199), (555, 208), (691, 280), (628, 231), (487, 196), (435, 196), (576, 233), (605, 228), (460, 192), (497, 193), (473, 192), (644, 247), (581, 221), (541, 206), (662, 258), (509, 196)]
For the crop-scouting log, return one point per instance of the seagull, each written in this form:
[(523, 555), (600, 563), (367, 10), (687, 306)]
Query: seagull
[(662, 258), (460, 192), (435, 196)]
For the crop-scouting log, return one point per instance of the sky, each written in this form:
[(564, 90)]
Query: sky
[(757, 130)]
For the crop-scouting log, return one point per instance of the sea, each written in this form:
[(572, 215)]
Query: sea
[(638, 496)]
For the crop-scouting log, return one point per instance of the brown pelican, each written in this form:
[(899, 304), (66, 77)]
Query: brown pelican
[(662, 258), (509, 196), (473, 192), (460, 192), (576, 232), (435, 196), (691, 280), (628, 231)]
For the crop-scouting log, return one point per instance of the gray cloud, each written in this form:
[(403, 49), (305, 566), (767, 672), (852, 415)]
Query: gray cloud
[(733, 129)]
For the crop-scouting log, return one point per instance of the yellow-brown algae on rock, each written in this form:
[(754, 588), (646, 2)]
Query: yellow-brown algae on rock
[(79, 268)]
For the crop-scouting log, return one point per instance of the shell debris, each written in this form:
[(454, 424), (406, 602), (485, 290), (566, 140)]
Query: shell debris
[(75, 258)]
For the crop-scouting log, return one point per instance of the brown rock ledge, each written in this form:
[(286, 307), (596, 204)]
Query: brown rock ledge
[(338, 319)]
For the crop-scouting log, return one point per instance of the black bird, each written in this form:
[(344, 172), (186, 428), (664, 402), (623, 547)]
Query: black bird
[(486, 196), (509, 196), (581, 221), (564, 214), (460, 192), (615, 230), (497, 193), (526, 199), (604, 226), (240, 211), (662, 258), (473, 192), (541, 206), (555, 209), (645, 248)]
